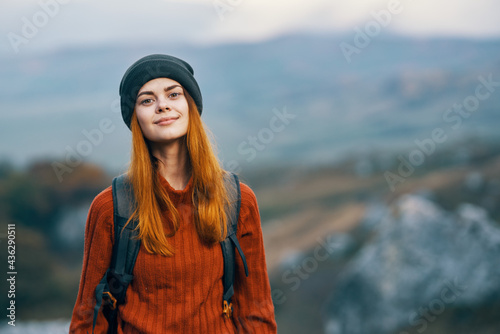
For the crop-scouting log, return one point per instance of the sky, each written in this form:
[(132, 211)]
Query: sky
[(33, 26)]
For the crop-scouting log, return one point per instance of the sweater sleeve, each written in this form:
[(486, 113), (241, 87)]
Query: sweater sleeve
[(253, 310), (98, 246)]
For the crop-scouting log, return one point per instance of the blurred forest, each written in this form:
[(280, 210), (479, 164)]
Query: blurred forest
[(47, 257)]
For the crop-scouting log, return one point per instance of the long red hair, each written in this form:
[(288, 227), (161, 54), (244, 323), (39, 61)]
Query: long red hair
[(209, 194)]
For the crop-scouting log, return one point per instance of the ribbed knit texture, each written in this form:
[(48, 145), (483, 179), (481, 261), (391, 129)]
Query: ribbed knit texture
[(182, 293)]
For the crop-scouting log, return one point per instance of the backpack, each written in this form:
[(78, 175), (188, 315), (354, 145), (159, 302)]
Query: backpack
[(111, 290)]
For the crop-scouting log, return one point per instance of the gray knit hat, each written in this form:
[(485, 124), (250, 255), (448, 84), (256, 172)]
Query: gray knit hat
[(152, 67)]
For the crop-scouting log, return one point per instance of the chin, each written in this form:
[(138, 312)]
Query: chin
[(168, 139)]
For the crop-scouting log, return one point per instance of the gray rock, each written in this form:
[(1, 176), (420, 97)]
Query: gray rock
[(421, 260)]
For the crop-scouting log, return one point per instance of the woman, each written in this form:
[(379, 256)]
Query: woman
[(181, 200)]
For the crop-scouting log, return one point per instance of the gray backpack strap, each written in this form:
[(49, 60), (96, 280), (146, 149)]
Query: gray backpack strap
[(228, 245), (127, 247), (112, 289)]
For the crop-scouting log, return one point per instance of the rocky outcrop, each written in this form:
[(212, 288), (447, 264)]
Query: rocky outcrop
[(419, 261)]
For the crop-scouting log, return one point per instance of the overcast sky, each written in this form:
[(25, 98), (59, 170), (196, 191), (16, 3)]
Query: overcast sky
[(90, 22)]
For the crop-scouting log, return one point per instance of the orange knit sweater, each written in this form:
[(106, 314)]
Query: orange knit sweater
[(182, 293)]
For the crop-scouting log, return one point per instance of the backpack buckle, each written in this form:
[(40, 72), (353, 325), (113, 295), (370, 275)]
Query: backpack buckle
[(109, 299), (228, 309)]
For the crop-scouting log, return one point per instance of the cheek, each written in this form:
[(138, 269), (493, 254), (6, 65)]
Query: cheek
[(186, 120), (182, 107), (143, 116)]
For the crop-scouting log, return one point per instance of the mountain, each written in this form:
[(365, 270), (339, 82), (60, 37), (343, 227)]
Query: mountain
[(393, 92)]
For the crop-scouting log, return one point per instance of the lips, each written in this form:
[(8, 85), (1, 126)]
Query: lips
[(166, 120)]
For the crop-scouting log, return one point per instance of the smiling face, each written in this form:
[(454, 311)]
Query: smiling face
[(162, 111)]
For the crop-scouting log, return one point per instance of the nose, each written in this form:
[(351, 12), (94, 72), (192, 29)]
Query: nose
[(163, 105)]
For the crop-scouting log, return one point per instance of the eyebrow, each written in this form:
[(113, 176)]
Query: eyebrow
[(148, 92)]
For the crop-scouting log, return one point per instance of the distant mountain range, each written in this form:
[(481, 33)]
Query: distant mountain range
[(394, 91)]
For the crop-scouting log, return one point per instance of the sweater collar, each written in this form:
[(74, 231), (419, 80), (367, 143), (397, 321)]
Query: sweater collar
[(182, 195)]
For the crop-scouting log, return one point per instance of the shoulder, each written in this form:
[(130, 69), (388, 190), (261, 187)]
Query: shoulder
[(100, 216), (99, 228), (102, 203), (249, 218), (248, 198)]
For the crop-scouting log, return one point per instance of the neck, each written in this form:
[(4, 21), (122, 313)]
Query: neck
[(174, 164)]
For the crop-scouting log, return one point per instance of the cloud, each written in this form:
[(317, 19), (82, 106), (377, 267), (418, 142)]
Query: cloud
[(80, 22)]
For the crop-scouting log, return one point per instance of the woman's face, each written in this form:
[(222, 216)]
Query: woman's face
[(162, 110)]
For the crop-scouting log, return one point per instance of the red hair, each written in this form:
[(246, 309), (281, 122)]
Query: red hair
[(209, 194)]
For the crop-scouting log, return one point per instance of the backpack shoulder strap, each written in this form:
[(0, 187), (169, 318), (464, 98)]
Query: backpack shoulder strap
[(228, 245), (113, 286), (127, 244)]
